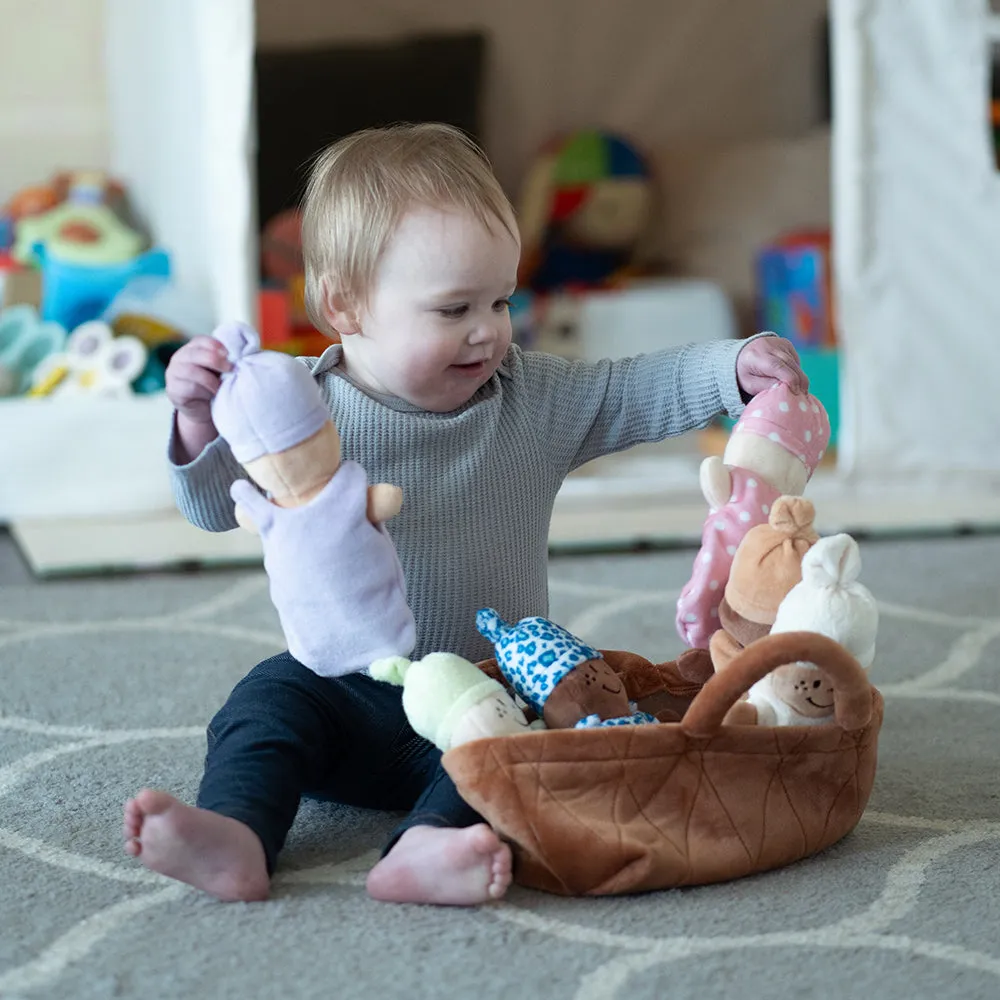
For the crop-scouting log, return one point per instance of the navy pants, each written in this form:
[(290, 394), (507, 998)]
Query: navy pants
[(285, 732)]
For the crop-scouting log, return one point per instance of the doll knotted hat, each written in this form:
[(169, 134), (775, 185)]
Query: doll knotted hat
[(798, 422), (437, 691), (768, 562), (534, 655), (830, 600), (269, 402)]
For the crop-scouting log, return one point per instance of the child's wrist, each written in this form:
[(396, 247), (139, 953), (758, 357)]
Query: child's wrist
[(192, 436)]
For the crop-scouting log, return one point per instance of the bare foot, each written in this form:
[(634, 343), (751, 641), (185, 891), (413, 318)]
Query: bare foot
[(217, 854), (444, 865)]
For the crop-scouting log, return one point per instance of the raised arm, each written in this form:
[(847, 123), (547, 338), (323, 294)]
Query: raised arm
[(584, 410)]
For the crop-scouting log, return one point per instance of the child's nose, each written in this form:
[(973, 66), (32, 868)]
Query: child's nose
[(484, 332)]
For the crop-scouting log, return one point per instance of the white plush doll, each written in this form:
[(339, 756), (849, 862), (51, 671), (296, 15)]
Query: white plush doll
[(449, 700), (829, 600)]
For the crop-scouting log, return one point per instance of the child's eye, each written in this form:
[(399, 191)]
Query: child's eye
[(501, 304), (454, 312)]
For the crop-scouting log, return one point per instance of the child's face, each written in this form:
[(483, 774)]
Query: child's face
[(436, 325)]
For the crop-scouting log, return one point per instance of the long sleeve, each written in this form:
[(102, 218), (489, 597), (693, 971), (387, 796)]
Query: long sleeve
[(201, 487), (584, 410)]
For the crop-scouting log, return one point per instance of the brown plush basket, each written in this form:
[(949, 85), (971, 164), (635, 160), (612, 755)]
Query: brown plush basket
[(631, 808)]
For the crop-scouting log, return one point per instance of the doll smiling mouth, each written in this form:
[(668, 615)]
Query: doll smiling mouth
[(816, 704), (614, 690)]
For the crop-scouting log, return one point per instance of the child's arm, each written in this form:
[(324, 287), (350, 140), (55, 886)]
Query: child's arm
[(590, 409), (201, 466), (201, 487)]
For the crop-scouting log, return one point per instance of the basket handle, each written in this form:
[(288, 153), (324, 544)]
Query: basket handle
[(851, 689)]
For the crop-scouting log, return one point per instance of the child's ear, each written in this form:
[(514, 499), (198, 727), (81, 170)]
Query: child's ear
[(340, 311)]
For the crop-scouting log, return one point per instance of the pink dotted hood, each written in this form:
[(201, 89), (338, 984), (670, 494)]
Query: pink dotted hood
[(798, 423)]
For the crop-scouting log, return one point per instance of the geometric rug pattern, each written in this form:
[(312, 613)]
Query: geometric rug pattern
[(106, 685)]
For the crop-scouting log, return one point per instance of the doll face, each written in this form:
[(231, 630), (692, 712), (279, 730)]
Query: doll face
[(770, 460), (295, 476), (804, 688), (592, 687), (496, 715)]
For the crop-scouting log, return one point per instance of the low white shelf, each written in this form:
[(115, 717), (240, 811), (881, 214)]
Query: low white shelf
[(78, 458)]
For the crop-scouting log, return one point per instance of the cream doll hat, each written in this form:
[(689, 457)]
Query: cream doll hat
[(269, 402), (798, 422), (534, 655), (830, 600), (437, 691)]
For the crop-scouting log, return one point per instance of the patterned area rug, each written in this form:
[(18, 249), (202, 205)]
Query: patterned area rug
[(107, 685)]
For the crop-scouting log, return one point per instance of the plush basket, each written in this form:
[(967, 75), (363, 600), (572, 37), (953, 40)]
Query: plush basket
[(632, 808)]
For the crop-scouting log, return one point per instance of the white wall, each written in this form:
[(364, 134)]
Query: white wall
[(53, 104), (918, 244), (182, 139)]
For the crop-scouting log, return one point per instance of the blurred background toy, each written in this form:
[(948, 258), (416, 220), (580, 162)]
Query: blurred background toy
[(584, 206), (78, 234), (284, 324), (73, 293), (94, 362), (281, 247), (33, 200), (154, 310), (25, 341), (72, 247), (794, 277)]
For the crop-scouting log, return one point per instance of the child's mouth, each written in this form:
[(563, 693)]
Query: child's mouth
[(472, 368)]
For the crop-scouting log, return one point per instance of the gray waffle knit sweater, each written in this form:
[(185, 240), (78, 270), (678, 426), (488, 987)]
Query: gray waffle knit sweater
[(479, 483)]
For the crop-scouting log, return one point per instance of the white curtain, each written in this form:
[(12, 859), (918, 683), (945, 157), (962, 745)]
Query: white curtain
[(180, 77), (917, 223)]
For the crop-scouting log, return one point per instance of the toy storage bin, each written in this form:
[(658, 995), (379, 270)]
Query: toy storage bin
[(73, 458)]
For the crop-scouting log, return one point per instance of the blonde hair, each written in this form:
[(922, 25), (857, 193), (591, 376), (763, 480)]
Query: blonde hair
[(361, 187)]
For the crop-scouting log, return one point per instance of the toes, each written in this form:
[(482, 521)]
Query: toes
[(131, 820), (150, 802), (498, 887), (484, 839), (132, 847), (503, 860)]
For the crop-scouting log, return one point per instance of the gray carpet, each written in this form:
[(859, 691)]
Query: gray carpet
[(106, 685)]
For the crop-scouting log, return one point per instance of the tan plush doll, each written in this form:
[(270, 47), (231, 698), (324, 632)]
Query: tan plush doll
[(773, 451), (335, 578), (767, 564), (270, 412)]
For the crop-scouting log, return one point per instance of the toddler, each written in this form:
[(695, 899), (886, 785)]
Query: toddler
[(411, 252)]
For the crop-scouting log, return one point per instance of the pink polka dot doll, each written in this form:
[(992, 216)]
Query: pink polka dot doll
[(773, 451)]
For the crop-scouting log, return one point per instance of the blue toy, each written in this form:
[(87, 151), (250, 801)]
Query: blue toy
[(75, 293)]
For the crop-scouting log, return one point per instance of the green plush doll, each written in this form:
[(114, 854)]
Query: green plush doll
[(449, 700)]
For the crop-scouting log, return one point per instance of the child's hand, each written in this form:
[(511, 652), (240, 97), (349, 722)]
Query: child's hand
[(192, 378), (768, 360)]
